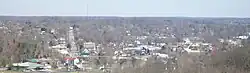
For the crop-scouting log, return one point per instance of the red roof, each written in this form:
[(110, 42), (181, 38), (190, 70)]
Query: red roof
[(68, 58)]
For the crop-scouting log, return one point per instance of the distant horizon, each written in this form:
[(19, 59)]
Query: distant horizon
[(112, 16)]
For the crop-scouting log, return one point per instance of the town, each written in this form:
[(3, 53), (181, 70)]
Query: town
[(64, 44)]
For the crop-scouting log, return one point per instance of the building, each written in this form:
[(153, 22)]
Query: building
[(89, 45)]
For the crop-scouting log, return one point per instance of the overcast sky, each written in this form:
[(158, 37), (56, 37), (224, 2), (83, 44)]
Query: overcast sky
[(186, 8)]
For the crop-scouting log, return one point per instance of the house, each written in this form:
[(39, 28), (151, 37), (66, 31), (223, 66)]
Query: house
[(161, 44), (63, 51), (142, 49), (28, 67), (59, 46), (141, 37), (242, 37), (138, 42), (149, 47), (193, 48), (71, 28), (160, 55)]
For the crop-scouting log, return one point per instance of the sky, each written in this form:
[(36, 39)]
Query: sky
[(127, 8)]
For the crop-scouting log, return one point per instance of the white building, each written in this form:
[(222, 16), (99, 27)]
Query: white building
[(89, 45), (60, 46)]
